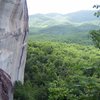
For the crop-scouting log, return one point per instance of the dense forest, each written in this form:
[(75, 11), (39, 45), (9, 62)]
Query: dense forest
[(61, 66), (60, 71)]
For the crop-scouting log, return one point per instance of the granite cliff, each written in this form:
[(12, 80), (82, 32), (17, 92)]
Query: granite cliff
[(13, 37)]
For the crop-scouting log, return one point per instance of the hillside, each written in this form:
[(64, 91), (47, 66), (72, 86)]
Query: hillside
[(82, 16), (68, 26)]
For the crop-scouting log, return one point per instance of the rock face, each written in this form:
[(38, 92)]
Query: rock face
[(13, 36), (6, 90)]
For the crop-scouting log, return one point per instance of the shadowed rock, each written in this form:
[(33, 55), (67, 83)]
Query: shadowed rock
[(5, 86)]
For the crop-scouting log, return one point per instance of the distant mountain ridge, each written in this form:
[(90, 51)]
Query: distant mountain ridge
[(82, 16), (55, 23), (69, 28)]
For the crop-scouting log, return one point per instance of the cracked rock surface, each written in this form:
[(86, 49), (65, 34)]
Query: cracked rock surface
[(13, 37)]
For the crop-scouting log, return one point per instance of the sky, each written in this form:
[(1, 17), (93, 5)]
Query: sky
[(59, 6)]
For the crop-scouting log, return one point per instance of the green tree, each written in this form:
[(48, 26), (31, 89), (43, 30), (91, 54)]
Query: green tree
[(95, 35), (98, 12)]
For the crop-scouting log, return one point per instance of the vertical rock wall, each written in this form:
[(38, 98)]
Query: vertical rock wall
[(13, 36)]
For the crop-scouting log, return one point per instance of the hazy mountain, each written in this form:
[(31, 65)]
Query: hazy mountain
[(71, 26), (82, 16), (54, 22)]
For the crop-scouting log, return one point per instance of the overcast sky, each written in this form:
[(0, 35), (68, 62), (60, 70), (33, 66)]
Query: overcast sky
[(59, 6)]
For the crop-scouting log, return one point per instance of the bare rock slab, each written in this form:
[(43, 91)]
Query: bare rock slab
[(13, 42)]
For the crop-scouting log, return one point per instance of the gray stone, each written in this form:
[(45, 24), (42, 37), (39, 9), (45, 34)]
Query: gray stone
[(13, 38)]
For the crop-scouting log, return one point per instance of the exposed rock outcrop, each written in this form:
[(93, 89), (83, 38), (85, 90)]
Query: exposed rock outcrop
[(6, 89), (13, 36)]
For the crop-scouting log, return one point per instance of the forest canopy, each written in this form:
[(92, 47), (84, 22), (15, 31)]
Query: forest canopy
[(60, 71)]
